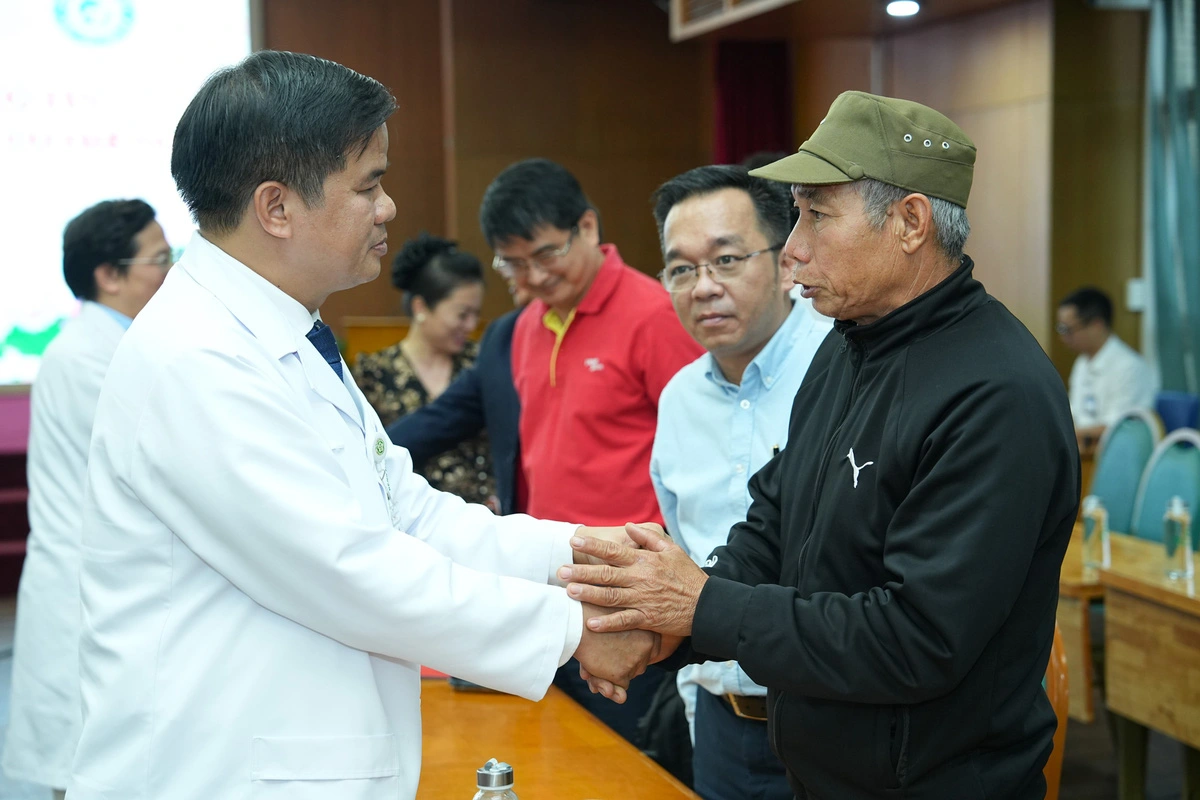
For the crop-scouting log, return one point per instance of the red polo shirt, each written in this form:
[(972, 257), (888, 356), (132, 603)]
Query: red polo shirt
[(589, 388)]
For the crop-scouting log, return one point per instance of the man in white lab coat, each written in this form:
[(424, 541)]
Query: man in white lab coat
[(263, 573), (115, 257)]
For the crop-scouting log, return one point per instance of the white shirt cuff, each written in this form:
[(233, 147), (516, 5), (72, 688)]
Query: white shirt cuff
[(574, 632)]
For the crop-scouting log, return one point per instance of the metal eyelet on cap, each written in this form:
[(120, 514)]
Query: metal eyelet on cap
[(908, 137), (945, 145), (928, 143)]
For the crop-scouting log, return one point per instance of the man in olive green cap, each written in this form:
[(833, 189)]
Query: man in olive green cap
[(894, 584)]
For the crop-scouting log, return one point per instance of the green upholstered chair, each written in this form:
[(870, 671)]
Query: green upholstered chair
[(1121, 459), (1173, 470)]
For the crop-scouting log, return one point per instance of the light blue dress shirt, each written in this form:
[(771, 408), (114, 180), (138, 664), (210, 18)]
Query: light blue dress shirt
[(712, 436), (124, 321)]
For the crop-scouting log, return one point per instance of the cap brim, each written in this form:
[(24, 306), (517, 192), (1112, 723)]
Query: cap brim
[(802, 167)]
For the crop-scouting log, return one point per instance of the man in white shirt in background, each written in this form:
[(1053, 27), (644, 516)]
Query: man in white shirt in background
[(262, 572), (1109, 377), (721, 418), (115, 257)]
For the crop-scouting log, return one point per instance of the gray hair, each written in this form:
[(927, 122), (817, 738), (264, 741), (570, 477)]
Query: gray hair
[(950, 223)]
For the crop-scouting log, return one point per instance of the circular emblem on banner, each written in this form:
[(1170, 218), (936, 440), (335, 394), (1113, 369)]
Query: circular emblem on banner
[(95, 21)]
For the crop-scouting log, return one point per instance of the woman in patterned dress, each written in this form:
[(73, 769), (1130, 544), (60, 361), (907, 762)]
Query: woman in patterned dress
[(442, 290)]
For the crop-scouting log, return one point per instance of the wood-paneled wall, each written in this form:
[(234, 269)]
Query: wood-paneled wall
[(596, 86), (991, 73), (1051, 91), (395, 42), (1099, 88)]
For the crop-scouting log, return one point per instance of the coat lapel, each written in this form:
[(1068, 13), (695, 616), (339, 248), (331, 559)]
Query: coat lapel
[(226, 278)]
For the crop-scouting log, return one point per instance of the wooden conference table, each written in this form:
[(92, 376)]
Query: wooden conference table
[(557, 749), (1152, 631), (1077, 588), (1152, 643)]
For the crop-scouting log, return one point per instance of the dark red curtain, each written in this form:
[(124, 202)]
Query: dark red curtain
[(753, 100)]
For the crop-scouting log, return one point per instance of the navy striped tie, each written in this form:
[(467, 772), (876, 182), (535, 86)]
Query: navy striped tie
[(321, 337)]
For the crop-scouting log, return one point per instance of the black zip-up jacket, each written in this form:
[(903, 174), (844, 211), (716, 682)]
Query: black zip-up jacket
[(899, 602)]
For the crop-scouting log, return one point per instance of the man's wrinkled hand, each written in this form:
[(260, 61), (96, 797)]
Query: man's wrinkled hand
[(667, 646), (657, 587), (612, 660)]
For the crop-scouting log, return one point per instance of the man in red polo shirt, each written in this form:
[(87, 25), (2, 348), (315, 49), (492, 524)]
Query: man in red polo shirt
[(590, 356)]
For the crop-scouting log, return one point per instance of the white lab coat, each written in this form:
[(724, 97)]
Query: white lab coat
[(44, 714), (258, 590)]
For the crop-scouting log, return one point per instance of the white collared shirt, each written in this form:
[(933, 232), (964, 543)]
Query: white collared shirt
[(1104, 386)]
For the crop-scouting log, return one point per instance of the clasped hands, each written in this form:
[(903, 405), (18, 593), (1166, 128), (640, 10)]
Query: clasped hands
[(639, 592)]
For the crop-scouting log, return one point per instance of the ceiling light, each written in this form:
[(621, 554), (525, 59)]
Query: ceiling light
[(903, 8)]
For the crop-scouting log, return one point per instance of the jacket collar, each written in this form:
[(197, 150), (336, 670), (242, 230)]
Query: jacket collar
[(938, 308), (279, 322)]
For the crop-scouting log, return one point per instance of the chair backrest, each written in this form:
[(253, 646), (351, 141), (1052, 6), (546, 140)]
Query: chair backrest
[(1121, 459), (1057, 691), (1177, 409), (1173, 469)]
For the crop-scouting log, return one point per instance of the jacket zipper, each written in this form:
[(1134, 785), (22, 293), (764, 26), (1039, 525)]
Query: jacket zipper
[(854, 386), (776, 725)]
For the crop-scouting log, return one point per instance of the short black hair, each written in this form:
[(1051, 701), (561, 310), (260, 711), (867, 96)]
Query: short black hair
[(102, 234), (430, 267), (772, 200), (276, 116), (528, 195), (1090, 303)]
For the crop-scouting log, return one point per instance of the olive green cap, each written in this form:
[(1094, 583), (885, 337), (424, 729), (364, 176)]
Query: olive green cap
[(894, 141)]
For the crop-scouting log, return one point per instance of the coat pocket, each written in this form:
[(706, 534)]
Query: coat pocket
[(323, 758)]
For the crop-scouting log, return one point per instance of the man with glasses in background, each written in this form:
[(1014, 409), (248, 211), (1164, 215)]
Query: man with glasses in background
[(115, 256), (724, 416), (590, 356), (1109, 377)]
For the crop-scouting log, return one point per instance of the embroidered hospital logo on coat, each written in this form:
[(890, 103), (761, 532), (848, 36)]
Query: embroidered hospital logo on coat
[(857, 469)]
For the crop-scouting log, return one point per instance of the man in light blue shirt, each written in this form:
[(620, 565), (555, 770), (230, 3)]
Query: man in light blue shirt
[(721, 418)]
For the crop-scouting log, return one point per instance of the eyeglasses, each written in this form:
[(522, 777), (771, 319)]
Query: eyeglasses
[(163, 260), (546, 259), (1063, 329), (683, 277)]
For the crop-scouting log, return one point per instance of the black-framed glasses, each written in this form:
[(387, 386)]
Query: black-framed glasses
[(163, 260), (546, 259), (1063, 329), (682, 277)]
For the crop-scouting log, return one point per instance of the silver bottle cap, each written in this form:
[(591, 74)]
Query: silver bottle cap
[(494, 775)]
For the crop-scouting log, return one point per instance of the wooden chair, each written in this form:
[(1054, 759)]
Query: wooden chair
[(1057, 691)]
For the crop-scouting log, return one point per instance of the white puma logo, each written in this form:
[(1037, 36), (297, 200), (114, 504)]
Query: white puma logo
[(857, 469)]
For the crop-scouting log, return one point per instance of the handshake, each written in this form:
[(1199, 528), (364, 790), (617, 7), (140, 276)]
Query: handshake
[(639, 592)]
